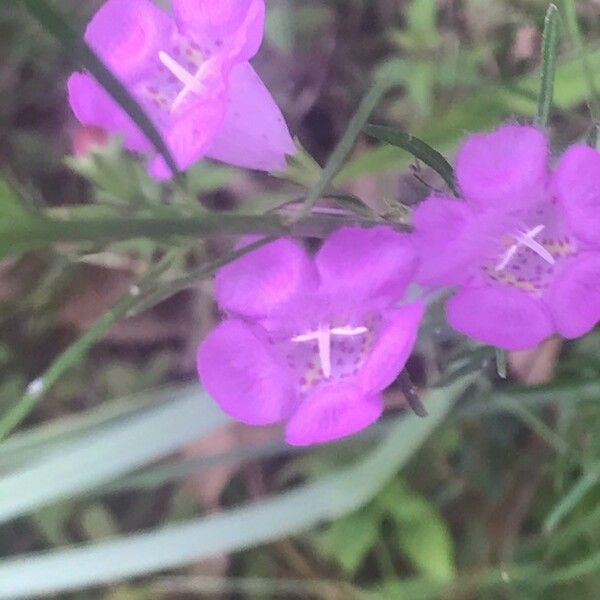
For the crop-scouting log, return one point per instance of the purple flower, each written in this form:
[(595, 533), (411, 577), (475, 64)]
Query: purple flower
[(523, 249), (191, 74), (312, 341)]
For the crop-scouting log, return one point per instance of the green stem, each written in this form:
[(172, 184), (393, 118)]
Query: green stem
[(41, 233), (345, 145), (77, 349)]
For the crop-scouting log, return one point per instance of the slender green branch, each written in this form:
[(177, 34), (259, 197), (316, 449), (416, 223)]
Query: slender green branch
[(345, 145)]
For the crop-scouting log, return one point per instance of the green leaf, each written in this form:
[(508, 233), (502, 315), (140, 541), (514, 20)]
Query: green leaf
[(422, 533), (334, 496), (418, 148), (11, 209), (54, 22), (348, 541), (549, 55)]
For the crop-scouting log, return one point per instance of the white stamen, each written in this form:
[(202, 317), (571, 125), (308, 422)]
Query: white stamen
[(191, 82), (323, 338), (349, 330), (526, 238)]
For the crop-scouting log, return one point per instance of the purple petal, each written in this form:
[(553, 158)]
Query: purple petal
[(369, 262), (392, 348), (235, 27), (128, 35), (259, 282), (506, 169), (254, 134), (190, 135), (239, 370), (574, 297), (443, 241), (503, 317), (577, 185), (92, 105), (333, 411)]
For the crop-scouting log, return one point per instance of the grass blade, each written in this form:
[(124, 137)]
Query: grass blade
[(418, 148), (292, 512), (549, 55), (54, 23), (104, 455)]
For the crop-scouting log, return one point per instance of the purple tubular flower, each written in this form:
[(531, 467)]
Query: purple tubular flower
[(191, 74), (312, 341), (523, 248)]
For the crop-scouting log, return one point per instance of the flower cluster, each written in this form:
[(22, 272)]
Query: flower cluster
[(314, 340), (190, 73)]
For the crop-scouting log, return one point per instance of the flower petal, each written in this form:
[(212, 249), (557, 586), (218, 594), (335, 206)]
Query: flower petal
[(128, 35), (333, 411), (254, 134), (443, 242), (190, 134), (92, 105), (237, 367), (506, 169), (392, 348), (503, 317), (574, 297), (257, 283), (369, 262), (235, 27), (577, 185)]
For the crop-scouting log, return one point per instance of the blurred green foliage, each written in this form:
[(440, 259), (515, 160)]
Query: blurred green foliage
[(502, 499)]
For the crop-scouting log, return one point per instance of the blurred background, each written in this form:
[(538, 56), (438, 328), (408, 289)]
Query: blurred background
[(499, 501)]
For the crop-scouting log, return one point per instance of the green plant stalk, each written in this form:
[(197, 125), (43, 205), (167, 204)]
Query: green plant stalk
[(549, 53), (588, 73), (342, 151), (36, 234), (77, 349)]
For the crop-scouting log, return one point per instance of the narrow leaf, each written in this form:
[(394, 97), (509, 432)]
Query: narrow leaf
[(549, 55), (418, 148), (110, 452)]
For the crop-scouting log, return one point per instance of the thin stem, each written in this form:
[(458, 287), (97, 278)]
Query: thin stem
[(77, 349), (345, 145)]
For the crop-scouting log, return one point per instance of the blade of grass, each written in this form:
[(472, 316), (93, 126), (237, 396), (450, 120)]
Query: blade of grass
[(549, 54), (176, 545), (571, 499), (55, 24), (110, 452), (418, 148)]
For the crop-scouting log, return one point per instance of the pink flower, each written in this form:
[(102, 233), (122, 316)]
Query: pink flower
[(523, 248), (312, 341), (191, 74)]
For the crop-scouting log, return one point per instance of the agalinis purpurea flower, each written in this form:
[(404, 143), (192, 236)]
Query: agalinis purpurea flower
[(523, 248), (312, 341), (190, 73)]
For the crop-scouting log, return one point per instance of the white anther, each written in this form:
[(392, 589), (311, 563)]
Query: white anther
[(527, 239), (323, 339), (191, 82)]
